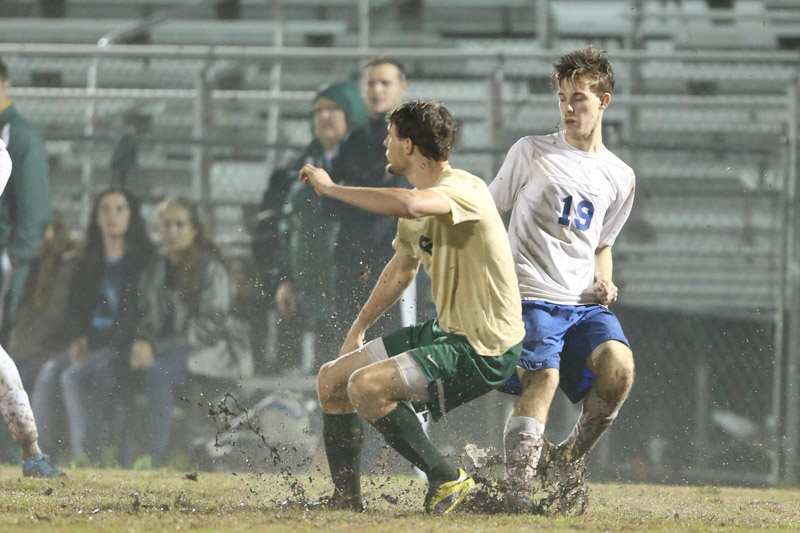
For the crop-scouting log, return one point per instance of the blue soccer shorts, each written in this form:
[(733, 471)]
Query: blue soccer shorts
[(563, 337)]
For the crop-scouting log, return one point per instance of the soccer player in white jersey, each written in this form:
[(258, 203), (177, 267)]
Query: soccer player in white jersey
[(14, 403), (569, 197)]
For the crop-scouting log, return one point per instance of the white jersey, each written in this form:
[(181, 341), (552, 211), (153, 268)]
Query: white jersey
[(14, 403), (566, 203), (5, 166)]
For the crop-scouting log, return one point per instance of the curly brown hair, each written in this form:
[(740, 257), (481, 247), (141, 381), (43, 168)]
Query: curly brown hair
[(429, 125), (590, 62)]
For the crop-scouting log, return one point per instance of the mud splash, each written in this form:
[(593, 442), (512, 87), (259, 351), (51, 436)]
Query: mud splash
[(231, 417), (559, 488), (235, 423)]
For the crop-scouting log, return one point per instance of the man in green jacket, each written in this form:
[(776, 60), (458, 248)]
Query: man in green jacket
[(27, 206)]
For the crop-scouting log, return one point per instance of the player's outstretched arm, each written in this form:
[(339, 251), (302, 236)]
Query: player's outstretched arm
[(395, 278), (404, 203), (604, 288)]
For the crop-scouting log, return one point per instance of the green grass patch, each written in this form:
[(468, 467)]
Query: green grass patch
[(168, 500)]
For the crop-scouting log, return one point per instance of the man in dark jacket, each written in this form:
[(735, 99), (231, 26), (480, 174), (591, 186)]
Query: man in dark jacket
[(364, 241), (294, 239), (27, 206)]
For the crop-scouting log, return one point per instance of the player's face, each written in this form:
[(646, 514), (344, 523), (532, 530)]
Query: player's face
[(113, 215), (384, 88), (581, 109), (176, 229), (330, 123), (396, 149)]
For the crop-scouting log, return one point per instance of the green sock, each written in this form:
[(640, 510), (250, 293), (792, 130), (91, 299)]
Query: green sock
[(404, 433), (344, 436)]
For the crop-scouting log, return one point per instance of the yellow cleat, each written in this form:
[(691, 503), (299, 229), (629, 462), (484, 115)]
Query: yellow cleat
[(446, 496)]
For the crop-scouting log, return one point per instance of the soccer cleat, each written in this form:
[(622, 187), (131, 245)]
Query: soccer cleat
[(40, 466), (444, 497)]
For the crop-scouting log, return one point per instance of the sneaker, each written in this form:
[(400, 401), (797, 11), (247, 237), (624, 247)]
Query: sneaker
[(40, 466), (444, 497)]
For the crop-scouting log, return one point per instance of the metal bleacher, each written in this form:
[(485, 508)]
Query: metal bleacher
[(684, 152), (703, 111)]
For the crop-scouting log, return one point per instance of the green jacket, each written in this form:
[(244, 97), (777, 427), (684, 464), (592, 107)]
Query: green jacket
[(307, 253), (26, 206)]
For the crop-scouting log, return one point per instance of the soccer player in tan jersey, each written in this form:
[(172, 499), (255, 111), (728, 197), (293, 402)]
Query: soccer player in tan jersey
[(449, 223)]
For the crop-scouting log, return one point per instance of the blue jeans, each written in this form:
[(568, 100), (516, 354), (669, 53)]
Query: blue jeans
[(86, 387), (48, 404), (75, 392), (159, 382)]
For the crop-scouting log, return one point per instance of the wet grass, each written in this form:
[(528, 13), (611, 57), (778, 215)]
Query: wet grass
[(167, 500)]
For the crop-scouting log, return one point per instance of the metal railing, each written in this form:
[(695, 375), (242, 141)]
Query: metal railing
[(785, 400)]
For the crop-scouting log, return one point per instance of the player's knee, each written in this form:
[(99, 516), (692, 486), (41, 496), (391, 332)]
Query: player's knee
[(329, 386), (616, 363), (361, 390)]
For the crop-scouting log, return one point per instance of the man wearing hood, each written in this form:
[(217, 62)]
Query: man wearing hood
[(305, 229)]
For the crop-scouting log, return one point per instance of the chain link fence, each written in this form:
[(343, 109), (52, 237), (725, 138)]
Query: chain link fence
[(703, 264)]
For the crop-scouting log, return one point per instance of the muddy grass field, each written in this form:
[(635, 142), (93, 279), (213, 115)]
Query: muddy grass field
[(167, 500)]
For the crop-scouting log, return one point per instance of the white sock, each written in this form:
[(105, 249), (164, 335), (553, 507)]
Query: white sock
[(14, 404), (522, 443), (596, 417)]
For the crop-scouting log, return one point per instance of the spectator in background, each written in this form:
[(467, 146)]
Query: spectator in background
[(189, 325), (307, 290), (42, 328), (103, 318), (27, 205), (363, 245)]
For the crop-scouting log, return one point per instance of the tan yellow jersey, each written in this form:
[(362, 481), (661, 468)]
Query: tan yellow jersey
[(467, 255)]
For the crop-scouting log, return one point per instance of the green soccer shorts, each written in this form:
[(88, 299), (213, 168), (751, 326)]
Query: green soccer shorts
[(456, 374)]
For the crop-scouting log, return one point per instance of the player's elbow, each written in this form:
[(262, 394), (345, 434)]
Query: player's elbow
[(410, 206)]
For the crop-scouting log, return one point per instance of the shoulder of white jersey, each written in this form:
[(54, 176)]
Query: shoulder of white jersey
[(528, 144), (534, 140), (614, 160)]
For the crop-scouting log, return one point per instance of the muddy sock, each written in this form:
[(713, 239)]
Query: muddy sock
[(522, 442), (404, 433), (16, 407), (596, 417), (344, 437)]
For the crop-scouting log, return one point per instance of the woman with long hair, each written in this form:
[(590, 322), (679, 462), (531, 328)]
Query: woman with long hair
[(189, 325), (104, 314)]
